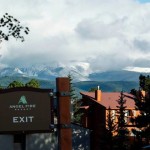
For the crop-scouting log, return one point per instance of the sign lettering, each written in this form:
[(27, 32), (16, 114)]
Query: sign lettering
[(26, 119)]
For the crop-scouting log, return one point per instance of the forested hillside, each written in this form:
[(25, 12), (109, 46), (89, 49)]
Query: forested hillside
[(107, 86)]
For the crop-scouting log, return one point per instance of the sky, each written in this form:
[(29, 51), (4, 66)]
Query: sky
[(96, 34)]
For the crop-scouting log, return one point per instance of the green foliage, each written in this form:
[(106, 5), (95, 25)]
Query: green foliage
[(110, 123), (144, 82), (110, 128), (1, 87), (121, 111), (142, 102), (6, 80), (10, 27), (74, 102), (72, 90), (79, 86), (93, 89), (122, 131), (33, 83), (15, 84)]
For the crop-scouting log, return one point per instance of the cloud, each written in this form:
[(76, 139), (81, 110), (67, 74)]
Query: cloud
[(98, 29), (143, 45), (106, 34)]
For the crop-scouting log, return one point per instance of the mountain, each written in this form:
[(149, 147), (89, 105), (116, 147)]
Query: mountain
[(83, 78), (79, 73), (107, 86), (122, 75), (45, 72)]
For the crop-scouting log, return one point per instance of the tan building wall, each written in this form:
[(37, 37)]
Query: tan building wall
[(130, 113)]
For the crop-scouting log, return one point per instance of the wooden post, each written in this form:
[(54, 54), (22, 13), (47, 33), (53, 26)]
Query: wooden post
[(64, 117)]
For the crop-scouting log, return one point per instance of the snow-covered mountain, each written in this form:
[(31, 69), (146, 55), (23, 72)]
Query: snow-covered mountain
[(79, 72)]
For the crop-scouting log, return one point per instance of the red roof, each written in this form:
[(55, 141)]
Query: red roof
[(110, 99)]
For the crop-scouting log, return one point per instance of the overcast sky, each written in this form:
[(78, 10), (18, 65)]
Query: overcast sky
[(99, 34)]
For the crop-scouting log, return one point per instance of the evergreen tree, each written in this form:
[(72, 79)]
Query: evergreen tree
[(110, 127), (75, 116), (142, 104), (122, 131)]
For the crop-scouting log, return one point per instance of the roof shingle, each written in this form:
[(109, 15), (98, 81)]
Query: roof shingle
[(110, 99)]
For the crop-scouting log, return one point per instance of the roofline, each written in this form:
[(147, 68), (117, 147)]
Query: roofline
[(93, 100)]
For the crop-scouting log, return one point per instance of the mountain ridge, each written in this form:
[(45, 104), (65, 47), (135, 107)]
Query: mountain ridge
[(78, 73), (105, 86)]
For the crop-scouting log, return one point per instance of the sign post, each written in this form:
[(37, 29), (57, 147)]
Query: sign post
[(64, 117), (30, 110)]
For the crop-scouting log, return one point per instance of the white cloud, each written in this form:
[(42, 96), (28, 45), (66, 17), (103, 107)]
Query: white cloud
[(106, 34), (137, 69)]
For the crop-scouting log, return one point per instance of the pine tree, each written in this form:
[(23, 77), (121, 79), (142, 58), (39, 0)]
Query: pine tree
[(74, 102), (142, 103), (110, 127), (122, 131)]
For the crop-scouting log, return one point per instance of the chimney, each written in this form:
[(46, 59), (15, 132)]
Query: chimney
[(98, 94)]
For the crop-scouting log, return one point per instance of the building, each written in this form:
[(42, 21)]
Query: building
[(95, 107), (93, 118)]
